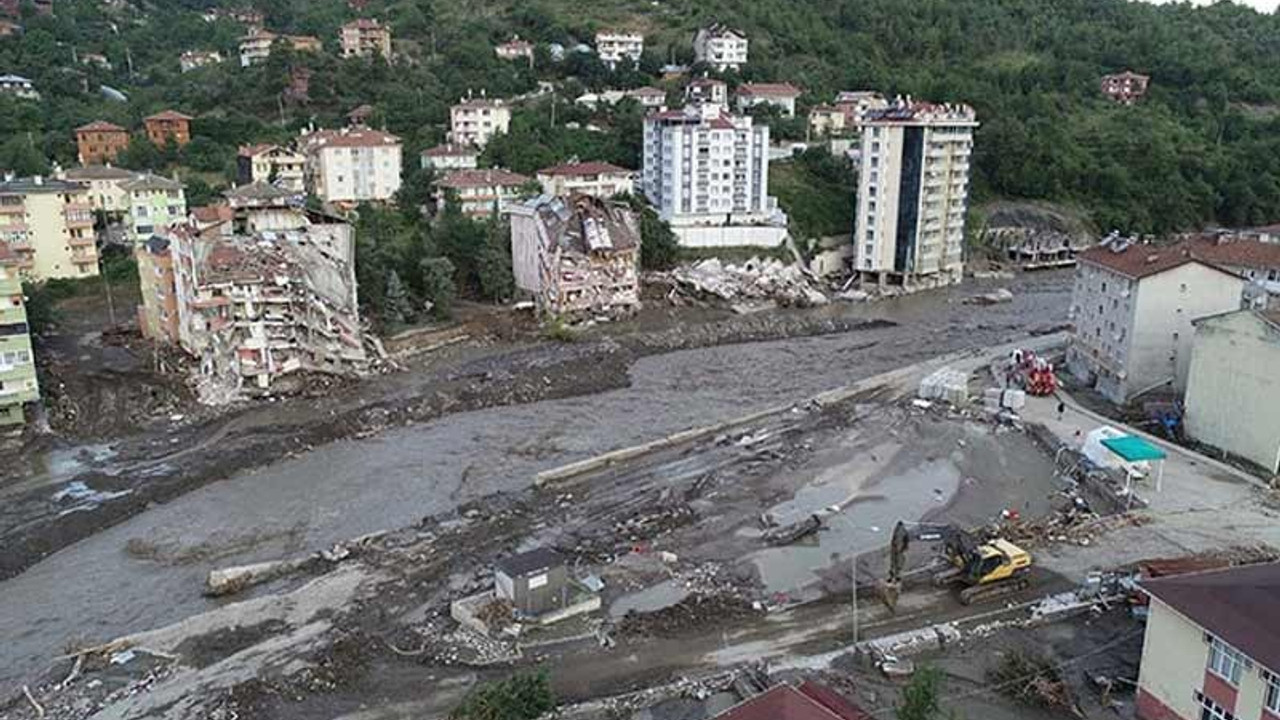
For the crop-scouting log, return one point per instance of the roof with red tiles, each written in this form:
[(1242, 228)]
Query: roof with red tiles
[(584, 168), (172, 115), (450, 150), (1142, 260), (768, 90), (100, 126), (364, 24), (353, 137), (807, 701), (495, 177), (1236, 252)]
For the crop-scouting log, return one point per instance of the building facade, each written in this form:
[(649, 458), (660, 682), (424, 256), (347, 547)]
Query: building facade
[(168, 127), (155, 203), (365, 37), (18, 384), (255, 47), (780, 95), (450, 156), (100, 142), (826, 121), (598, 179), (353, 165), (1133, 306), (704, 167), (1254, 257), (105, 185), (578, 256), (474, 121), (617, 47), (48, 224), (272, 163), (720, 47), (1233, 388), (1212, 646), (705, 90), (650, 98), (1126, 87), (481, 193), (913, 194), (158, 313), (256, 307)]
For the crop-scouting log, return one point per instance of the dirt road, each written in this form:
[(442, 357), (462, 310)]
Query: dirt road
[(145, 571)]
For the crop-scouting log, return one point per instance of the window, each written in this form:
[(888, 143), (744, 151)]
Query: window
[(1272, 700), (1210, 710), (1225, 661)]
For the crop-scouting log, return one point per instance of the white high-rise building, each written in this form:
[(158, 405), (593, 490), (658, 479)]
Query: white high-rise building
[(705, 167), (913, 193)]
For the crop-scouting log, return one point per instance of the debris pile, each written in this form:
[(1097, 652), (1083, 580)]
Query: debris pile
[(995, 297), (755, 280), (696, 612), (1034, 680)]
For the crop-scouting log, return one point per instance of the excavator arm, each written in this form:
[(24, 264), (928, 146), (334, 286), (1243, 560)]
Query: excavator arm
[(959, 547)]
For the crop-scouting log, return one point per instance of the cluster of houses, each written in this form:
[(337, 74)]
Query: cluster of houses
[(1198, 321), (716, 46)]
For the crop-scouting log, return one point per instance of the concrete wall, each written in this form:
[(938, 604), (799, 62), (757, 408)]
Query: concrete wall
[(526, 244), (1165, 306), (1233, 387)]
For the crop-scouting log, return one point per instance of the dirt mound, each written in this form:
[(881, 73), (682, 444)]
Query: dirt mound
[(696, 612)]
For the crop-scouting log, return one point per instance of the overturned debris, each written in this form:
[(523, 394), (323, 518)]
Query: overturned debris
[(754, 280)]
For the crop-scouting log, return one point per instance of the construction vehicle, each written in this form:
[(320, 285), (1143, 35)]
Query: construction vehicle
[(983, 569)]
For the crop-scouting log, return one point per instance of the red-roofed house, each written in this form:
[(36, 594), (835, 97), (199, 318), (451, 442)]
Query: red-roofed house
[(278, 165), (515, 49), (806, 701), (782, 95), (167, 127), (1212, 646), (598, 179), (1133, 307), (100, 142), (1249, 256), (707, 90), (1126, 87), (481, 193)]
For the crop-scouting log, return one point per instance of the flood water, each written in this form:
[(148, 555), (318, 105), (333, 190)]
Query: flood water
[(149, 570)]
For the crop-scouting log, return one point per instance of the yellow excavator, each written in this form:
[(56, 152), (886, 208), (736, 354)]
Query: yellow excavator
[(983, 569)]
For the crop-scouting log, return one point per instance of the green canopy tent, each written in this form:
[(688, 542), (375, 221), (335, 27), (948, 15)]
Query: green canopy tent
[(1132, 449)]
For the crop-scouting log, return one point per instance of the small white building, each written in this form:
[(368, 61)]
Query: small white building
[(284, 167), (514, 49), (474, 121), (615, 47), (18, 86), (650, 98), (481, 193), (196, 59), (782, 95), (450, 156), (352, 165), (598, 179), (1233, 386), (1133, 306), (720, 47)]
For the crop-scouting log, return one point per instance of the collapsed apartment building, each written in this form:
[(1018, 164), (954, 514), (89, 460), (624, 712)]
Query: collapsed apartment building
[(578, 256), (274, 295)]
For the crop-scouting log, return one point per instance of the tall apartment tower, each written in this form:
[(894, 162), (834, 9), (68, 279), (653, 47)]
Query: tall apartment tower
[(703, 166), (913, 193)]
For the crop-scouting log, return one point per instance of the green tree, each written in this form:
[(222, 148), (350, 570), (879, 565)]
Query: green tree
[(523, 696), (919, 700), (437, 283), (397, 305), (659, 246)]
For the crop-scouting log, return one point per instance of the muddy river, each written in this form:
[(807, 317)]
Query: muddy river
[(148, 571)]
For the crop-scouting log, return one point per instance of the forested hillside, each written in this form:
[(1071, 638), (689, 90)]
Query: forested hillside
[(1204, 146)]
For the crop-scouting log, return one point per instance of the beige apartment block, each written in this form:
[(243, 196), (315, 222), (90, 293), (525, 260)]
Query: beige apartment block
[(48, 223)]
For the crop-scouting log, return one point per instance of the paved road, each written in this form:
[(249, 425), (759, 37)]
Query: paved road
[(148, 570)]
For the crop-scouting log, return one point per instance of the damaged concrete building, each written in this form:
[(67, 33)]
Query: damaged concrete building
[(579, 256), (275, 296)]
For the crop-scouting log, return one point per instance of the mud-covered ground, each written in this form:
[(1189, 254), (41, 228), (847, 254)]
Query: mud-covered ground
[(375, 629), (269, 481)]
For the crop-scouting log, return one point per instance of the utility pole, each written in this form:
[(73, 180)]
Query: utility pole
[(106, 283), (855, 597)]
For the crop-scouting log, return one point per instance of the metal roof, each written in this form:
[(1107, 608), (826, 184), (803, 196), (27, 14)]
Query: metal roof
[(1134, 449)]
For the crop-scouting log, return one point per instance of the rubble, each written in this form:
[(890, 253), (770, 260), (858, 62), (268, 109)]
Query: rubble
[(760, 280), (994, 297)]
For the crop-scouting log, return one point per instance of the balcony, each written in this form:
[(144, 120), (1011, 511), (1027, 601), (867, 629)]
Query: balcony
[(80, 242)]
